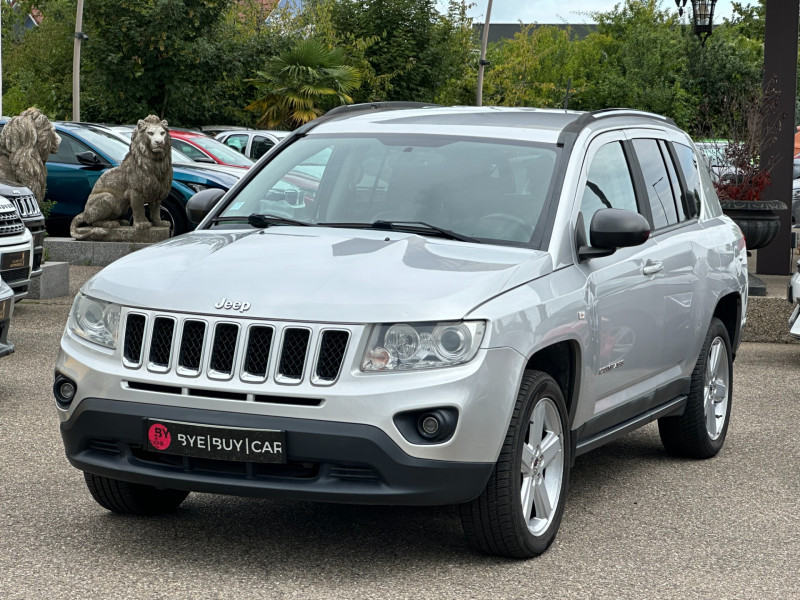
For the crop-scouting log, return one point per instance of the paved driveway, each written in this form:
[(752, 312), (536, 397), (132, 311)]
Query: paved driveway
[(638, 524)]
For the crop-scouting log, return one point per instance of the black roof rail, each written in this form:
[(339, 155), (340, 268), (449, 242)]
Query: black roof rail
[(573, 128), (354, 109)]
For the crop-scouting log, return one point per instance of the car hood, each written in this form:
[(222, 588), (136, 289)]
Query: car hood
[(317, 274)]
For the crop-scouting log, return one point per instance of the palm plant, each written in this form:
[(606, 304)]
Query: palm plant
[(295, 83)]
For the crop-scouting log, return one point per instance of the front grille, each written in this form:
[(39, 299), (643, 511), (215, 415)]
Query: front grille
[(161, 342), (15, 275), (295, 346), (134, 336), (224, 349), (26, 206), (256, 353)]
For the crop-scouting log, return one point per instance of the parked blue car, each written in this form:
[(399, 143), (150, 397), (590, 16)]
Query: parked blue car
[(88, 150)]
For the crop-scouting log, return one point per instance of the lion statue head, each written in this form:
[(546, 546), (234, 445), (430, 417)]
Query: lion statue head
[(151, 137), (26, 142)]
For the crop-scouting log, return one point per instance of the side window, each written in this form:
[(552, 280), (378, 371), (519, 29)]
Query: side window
[(656, 182), (683, 213), (237, 142), (608, 184), (67, 151), (260, 146), (188, 149), (689, 167)]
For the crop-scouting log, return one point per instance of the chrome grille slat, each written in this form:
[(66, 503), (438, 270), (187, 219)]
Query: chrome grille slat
[(293, 354), (332, 349), (256, 359), (161, 344), (134, 340), (191, 350), (223, 351)]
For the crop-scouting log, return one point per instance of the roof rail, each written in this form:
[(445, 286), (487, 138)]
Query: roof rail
[(354, 109), (573, 128)]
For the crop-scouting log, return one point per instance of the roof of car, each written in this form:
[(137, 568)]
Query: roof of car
[(492, 121)]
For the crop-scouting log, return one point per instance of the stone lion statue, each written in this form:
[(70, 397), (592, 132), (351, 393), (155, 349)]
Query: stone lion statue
[(26, 141), (144, 177)]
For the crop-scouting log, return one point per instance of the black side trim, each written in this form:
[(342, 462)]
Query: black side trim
[(673, 407)]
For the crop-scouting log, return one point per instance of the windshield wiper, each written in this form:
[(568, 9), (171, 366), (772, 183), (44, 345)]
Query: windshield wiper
[(263, 220), (416, 226)]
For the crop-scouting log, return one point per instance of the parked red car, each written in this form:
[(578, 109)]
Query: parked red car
[(201, 148)]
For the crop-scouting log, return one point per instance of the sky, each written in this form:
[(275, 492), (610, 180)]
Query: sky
[(564, 11)]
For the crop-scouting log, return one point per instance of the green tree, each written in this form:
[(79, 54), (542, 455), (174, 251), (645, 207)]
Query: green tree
[(294, 85)]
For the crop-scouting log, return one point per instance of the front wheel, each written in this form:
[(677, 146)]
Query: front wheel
[(519, 512), (132, 498), (700, 431)]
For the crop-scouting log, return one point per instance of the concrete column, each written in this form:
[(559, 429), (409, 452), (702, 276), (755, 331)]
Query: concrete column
[(780, 72)]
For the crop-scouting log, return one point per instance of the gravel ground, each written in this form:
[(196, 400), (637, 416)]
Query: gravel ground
[(638, 524)]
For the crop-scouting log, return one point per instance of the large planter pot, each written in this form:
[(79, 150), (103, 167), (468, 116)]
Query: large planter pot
[(759, 221)]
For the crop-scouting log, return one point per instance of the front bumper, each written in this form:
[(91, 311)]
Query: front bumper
[(330, 462)]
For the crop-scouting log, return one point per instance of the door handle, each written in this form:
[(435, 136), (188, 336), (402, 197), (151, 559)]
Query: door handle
[(653, 268)]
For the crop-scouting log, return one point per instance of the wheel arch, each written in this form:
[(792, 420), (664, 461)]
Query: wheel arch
[(562, 362), (729, 311)]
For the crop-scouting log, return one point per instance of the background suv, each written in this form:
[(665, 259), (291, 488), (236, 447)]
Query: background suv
[(470, 298), (16, 249)]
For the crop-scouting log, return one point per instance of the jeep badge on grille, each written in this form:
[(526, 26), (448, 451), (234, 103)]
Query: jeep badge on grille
[(228, 304)]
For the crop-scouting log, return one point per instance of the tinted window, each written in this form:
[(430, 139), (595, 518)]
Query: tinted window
[(260, 146), (656, 182), (609, 183), (67, 151), (688, 165)]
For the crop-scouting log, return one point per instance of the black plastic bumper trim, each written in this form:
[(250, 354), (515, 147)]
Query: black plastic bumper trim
[(402, 479)]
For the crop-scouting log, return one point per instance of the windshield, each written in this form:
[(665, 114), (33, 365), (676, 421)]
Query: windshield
[(222, 152), (485, 189), (106, 141)]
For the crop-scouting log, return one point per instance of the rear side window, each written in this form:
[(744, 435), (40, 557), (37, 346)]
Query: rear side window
[(608, 184), (657, 183), (237, 142), (687, 161), (260, 147)]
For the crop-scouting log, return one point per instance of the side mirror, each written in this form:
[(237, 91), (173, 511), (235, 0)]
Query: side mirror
[(201, 204), (614, 228), (90, 159)]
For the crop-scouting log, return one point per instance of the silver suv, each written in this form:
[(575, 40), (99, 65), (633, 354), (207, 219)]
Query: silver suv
[(415, 305)]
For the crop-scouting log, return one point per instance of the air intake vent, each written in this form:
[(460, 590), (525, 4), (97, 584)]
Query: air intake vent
[(161, 343), (331, 355), (224, 349), (15, 275), (134, 336), (191, 352), (293, 353), (257, 356)]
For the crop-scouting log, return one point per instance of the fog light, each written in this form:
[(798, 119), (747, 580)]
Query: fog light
[(64, 390), (429, 425)]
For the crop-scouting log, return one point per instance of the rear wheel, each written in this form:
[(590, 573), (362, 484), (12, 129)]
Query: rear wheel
[(700, 431), (132, 498), (519, 511)]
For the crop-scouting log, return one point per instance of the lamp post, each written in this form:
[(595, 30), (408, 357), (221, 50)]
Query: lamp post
[(482, 61), (702, 17)]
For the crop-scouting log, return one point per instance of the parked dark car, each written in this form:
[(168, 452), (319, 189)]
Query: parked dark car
[(87, 151)]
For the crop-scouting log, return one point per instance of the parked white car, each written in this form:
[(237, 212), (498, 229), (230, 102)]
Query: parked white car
[(252, 143), (6, 310), (16, 249)]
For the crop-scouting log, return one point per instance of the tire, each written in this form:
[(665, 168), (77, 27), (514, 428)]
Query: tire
[(132, 498), (701, 430), (496, 522), (173, 212)]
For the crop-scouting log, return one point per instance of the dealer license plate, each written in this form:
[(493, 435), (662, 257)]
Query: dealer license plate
[(220, 443), (5, 309), (15, 260)]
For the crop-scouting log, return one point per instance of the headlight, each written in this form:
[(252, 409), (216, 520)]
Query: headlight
[(402, 346), (95, 320), (197, 187)]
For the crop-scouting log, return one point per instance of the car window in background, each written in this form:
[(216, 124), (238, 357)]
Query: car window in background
[(260, 146), (609, 183), (237, 141), (221, 151), (656, 183), (106, 141), (67, 151), (189, 150)]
